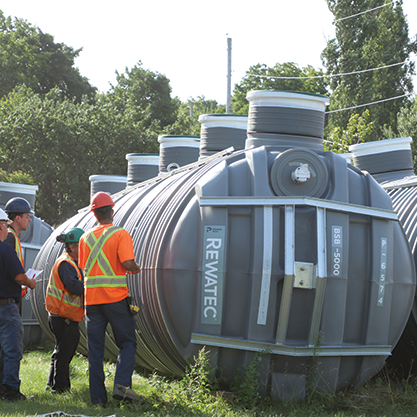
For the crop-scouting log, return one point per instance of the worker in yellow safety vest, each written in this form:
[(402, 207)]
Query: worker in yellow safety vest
[(18, 211), (65, 305), (106, 254)]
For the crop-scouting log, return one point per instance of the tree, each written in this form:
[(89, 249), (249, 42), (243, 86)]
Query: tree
[(60, 143), (29, 56), (148, 93), (260, 77), (187, 122), (365, 41), (358, 130)]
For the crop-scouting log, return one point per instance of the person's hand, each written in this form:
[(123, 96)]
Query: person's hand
[(32, 284)]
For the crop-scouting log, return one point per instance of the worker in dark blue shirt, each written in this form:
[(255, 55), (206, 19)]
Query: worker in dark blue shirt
[(12, 277)]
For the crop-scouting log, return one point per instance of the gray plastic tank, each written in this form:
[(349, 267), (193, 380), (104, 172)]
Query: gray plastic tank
[(386, 160), (108, 183), (176, 151), (281, 248), (391, 162), (221, 131), (31, 240), (141, 167)]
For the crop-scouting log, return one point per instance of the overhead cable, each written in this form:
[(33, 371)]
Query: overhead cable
[(324, 76), (368, 104), (358, 14)]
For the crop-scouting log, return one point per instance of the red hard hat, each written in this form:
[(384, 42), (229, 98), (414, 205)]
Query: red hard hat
[(101, 199)]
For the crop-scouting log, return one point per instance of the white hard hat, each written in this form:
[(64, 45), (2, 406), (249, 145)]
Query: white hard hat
[(4, 217)]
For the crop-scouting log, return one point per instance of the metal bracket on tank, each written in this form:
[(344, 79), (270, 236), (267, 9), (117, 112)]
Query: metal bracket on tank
[(305, 276)]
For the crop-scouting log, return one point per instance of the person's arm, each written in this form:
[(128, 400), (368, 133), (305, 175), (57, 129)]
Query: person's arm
[(131, 266), (69, 278), (22, 279)]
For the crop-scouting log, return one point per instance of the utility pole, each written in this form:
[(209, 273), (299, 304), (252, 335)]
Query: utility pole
[(229, 75)]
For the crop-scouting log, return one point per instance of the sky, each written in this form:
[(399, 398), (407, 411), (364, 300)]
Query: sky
[(186, 40)]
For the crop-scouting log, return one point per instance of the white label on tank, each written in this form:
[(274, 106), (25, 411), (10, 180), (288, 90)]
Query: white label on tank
[(337, 247), (382, 272), (266, 266), (213, 275)]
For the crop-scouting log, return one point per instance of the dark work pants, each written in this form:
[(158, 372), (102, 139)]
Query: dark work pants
[(67, 336), (123, 325)]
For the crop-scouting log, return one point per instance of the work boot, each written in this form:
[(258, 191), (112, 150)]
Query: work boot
[(123, 393), (12, 394)]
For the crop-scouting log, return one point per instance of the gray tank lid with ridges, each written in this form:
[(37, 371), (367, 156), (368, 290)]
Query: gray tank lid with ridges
[(286, 113), (384, 156), (177, 150), (221, 131)]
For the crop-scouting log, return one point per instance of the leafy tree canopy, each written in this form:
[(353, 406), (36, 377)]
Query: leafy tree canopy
[(260, 77), (148, 94), (366, 41), (60, 143), (29, 56), (187, 122)]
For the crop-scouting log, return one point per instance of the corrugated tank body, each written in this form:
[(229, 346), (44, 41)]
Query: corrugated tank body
[(391, 163), (279, 248)]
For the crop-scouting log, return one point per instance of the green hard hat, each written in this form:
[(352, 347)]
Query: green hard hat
[(72, 236)]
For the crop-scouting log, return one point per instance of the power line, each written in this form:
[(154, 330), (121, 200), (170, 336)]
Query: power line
[(358, 14), (323, 76), (368, 104)]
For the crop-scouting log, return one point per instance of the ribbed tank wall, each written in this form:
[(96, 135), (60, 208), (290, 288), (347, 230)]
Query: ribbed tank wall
[(233, 262), (176, 151), (387, 160), (221, 131), (108, 183), (141, 167)]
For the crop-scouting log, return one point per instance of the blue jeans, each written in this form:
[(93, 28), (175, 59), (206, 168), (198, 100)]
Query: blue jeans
[(11, 341), (123, 326)]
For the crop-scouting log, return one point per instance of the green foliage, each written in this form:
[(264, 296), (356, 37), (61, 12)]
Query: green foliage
[(380, 396), (30, 57), (359, 129), (363, 42), (260, 77), (187, 122), (246, 383), (148, 96), (59, 143), (17, 177)]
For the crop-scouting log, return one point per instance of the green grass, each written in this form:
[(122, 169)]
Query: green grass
[(193, 395)]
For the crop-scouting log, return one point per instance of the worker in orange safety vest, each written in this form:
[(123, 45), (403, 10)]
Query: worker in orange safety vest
[(65, 305), (106, 254)]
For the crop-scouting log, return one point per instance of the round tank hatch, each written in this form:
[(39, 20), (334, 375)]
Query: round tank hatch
[(299, 172)]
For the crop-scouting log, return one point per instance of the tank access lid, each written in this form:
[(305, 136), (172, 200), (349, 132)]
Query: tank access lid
[(299, 100)]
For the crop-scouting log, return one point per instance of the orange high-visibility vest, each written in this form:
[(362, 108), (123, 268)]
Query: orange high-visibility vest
[(59, 300), (19, 253), (17, 246), (102, 252)]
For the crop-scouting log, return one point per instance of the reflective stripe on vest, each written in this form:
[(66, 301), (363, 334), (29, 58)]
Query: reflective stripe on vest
[(17, 246), (58, 299), (109, 278)]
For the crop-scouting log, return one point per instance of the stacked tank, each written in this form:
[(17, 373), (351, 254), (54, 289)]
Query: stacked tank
[(278, 248), (391, 164), (221, 131)]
